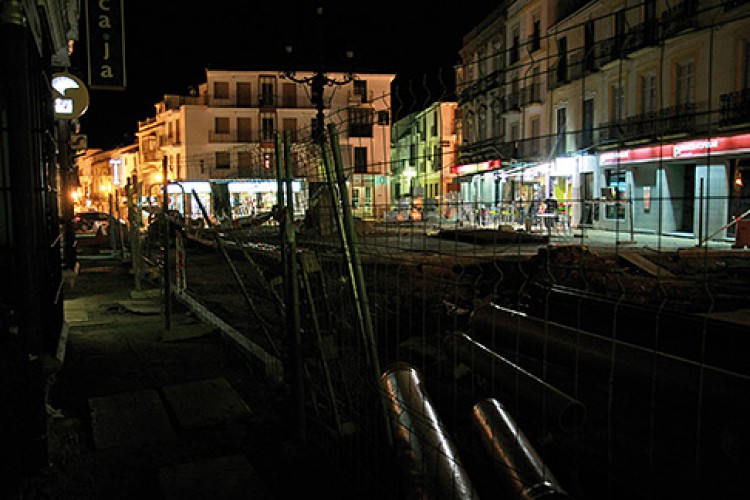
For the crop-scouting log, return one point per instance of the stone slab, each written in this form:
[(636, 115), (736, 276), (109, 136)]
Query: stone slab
[(224, 478), (140, 306), (130, 420), (205, 403)]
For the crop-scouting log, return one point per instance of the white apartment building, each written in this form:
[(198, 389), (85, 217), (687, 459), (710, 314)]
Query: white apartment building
[(223, 133)]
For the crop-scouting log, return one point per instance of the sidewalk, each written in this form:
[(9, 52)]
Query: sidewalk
[(142, 411)]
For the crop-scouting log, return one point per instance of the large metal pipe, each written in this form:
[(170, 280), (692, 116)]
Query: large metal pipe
[(513, 455), (426, 453), (517, 383)]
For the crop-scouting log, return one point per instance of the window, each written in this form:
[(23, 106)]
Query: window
[(617, 102), (617, 185), (515, 42), (267, 127), (589, 56), (437, 158), (561, 135), (222, 160), (562, 59), (535, 133), (536, 35), (685, 84), (221, 125), (221, 90), (434, 123), (244, 129), (290, 125), (588, 124), (368, 196), (355, 197), (384, 118), (244, 94), (514, 138), (360, 160), (482, 119), (648, 94), (360, 122), (267, 91), (360, 90)]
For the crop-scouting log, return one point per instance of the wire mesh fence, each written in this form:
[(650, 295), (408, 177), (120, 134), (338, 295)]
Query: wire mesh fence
[(564, 321)]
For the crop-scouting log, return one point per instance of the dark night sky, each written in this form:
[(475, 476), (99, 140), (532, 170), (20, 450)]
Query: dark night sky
[(170, 44)]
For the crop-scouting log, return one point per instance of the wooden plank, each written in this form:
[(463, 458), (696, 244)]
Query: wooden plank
[(646, 265)]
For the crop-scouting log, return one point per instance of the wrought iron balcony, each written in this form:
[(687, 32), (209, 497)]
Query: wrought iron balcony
[(735, 108), (679, 119)]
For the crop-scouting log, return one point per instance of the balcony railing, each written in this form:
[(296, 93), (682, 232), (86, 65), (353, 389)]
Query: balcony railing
[(735, 108), (680, 17), (250, 101), (679, 119), (235, 136)]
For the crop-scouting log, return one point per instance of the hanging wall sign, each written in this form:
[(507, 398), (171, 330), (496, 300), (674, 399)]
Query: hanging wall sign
[(70, 97), (105, 39)]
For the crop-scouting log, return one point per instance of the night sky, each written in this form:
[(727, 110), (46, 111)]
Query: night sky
[(170, 44)]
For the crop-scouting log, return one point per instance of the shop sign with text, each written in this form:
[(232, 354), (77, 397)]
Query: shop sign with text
[(105, 37)]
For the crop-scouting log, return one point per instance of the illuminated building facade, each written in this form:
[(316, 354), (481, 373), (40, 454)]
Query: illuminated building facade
[(423, 154), (635, 114), (224, 132)]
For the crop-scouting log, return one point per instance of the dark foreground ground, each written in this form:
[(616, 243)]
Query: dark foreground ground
[(141, 411)]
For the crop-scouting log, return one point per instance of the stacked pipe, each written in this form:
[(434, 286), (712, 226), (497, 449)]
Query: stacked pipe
[(427, 455), (513, 455), (513, 381)]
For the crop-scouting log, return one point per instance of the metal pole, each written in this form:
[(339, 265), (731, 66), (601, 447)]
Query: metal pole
[(700, 212), (349, 241), (293, 311), (167, 265), (135, 246)]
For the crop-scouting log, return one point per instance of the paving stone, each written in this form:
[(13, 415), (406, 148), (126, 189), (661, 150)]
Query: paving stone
[(224, 478), (206, 402), (131, 419)]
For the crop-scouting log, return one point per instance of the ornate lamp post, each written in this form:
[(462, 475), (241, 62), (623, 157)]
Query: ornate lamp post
[(318, 81)]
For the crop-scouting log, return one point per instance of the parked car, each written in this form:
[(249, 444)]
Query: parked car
[(91, 222)]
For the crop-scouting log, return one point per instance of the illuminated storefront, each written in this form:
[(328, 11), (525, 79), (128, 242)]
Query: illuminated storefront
[(246, 198), (684, 188)]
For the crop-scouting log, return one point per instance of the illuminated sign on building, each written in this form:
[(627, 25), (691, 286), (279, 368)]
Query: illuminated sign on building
[(105, 36), (70, 98), (688, 149), (475, 168)]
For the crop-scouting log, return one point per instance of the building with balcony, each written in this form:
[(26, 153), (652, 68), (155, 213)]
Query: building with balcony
[(423, 157), (636, 115), (655, 90), (223, 134)]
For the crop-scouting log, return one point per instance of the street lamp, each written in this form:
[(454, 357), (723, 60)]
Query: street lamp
[(318, 81)]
